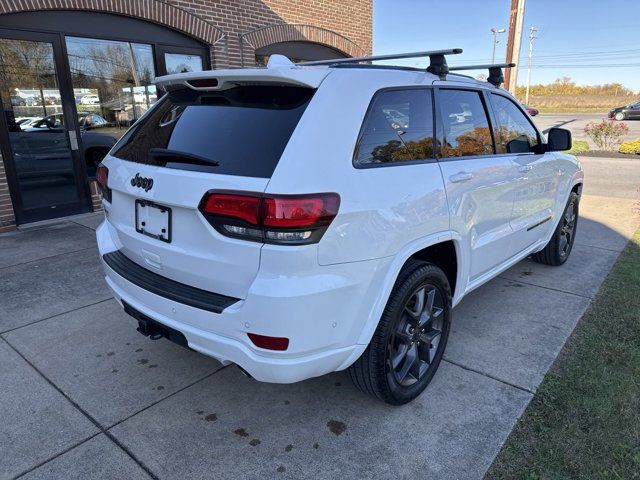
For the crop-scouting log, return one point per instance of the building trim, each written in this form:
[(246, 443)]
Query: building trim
[(156, 11), (260, 37)]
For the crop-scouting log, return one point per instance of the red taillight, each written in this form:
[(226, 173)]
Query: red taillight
[(203, 82), (102, 177), (292, 212), (284, 219), (242, 207), (269, 343)]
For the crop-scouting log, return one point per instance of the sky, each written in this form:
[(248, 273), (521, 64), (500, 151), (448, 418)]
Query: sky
[(591, 41)]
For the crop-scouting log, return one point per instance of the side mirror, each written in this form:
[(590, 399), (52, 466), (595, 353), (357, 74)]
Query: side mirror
[(558, 140)]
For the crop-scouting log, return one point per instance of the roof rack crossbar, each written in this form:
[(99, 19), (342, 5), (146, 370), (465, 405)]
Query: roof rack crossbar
[(496, 77), (394, 56)]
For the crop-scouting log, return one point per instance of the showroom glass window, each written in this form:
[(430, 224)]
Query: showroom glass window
[(182, 63), (112, 81)]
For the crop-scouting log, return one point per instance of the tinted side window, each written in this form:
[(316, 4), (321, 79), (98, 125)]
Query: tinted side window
[(398, 127), (466, 128), (513, 132)]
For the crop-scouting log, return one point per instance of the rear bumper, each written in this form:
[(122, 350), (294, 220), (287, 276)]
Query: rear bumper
[(316, 311)]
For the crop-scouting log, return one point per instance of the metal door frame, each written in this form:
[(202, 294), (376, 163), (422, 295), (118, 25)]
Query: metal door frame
[(67, 101)]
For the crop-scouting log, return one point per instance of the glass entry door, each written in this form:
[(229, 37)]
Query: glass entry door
[(38, 133)]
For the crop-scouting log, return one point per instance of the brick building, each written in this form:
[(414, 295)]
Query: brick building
[(74, 74)]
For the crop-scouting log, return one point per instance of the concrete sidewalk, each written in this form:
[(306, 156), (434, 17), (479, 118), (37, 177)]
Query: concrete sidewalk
[(86, 396)]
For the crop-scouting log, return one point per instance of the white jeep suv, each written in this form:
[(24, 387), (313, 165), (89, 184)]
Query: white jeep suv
[(300, 220)]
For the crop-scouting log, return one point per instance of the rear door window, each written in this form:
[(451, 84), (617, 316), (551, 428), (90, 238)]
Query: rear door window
[(240, 131), (513, 131), (398, 127), (465, 124)]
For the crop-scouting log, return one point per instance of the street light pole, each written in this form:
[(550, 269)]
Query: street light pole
[(495, 32), (532, 33)]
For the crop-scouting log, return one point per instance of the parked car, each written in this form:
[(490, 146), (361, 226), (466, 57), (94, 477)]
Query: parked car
[(42, 148), (281, 219), (530, 110), (52, 100), (90, 100), (31, 100), (18, 101), (627, 112), (26, 122)]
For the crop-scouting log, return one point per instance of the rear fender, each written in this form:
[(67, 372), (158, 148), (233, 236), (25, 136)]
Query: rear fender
[(394, 270)]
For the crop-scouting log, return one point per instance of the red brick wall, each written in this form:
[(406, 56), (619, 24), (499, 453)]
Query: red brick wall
[(352, 19), (229, 26)]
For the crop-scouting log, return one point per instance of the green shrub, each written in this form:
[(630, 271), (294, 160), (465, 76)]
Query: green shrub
[(578, 147), (631, 147), (606, 134)]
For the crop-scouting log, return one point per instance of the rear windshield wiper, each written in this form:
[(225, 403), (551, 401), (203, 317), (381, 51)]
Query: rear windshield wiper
[(176, 156)]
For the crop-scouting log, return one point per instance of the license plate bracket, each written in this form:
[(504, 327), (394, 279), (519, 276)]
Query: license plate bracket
[(153, 220)]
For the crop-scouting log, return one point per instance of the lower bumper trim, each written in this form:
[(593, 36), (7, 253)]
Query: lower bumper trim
[(165, 287)]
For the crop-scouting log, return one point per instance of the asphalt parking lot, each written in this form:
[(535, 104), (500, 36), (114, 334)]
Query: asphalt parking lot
[(577, 121), (85, 396)]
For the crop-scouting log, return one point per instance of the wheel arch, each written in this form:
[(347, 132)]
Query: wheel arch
[(428, 249)]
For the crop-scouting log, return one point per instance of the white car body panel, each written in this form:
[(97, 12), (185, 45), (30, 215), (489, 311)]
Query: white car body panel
[(196, 249), (327, 298)]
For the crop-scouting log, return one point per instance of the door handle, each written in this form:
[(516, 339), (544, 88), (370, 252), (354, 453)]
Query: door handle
[(524, 168), (460, 177)]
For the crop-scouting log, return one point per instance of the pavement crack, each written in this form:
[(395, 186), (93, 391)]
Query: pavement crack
[(48, 257), (57, 315), (59, 454), (469, 369), (169, 395), (89, 417), (546, 288)]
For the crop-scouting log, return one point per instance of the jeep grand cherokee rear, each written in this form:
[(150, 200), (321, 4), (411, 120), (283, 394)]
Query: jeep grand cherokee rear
[(187, 218)]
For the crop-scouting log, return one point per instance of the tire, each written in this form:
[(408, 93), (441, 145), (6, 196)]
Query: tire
[(620, 116), (559, 247), (415, 343)]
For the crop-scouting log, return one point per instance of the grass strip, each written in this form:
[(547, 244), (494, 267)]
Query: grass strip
[(584, 420)]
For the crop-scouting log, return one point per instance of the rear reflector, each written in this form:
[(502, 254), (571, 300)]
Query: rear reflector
[(269, 343), (282, 219), (102, 177)]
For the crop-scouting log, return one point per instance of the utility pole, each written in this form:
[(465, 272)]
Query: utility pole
[(532, 36), (495, 32), (514, 40)]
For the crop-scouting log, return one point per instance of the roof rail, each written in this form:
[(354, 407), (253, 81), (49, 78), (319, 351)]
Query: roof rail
[(437, 61), (496, 76)]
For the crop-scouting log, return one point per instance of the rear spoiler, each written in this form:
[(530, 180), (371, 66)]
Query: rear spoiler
[(224, 79)]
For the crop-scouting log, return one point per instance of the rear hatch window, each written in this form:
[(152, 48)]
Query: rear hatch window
[(240, 131)]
